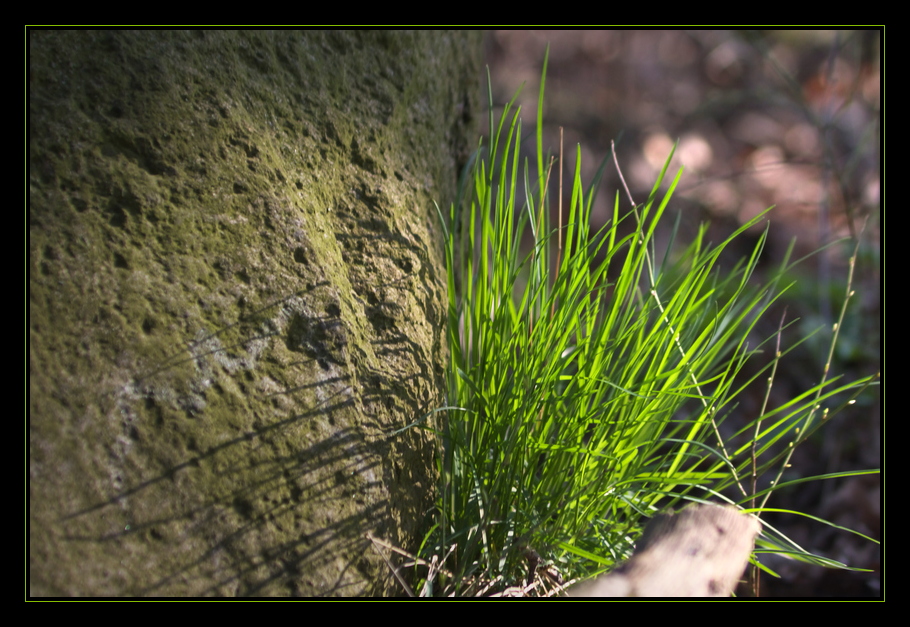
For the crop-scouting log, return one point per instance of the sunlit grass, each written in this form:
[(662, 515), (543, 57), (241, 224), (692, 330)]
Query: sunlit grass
[(589, 378)]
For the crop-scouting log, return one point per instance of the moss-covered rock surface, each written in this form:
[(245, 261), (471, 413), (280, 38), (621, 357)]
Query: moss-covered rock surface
[(235, 294)]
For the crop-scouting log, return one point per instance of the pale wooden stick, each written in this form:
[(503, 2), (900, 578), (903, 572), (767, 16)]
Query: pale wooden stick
[(699, 552)]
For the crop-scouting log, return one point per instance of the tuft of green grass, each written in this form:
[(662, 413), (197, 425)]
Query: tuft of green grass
[(590, 379)]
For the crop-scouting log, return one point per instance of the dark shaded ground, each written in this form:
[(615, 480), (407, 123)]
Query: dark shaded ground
[(763, 118)]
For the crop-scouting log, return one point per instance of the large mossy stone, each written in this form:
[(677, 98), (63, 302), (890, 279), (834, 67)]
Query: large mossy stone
[(235, 296)]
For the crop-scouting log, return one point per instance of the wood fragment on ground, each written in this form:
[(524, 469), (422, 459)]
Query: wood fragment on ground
[(699, 552)]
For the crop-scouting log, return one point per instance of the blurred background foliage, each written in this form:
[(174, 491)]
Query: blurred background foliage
[(784, 118)]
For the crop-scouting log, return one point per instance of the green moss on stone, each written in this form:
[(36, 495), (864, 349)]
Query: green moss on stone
[(234, 295)]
